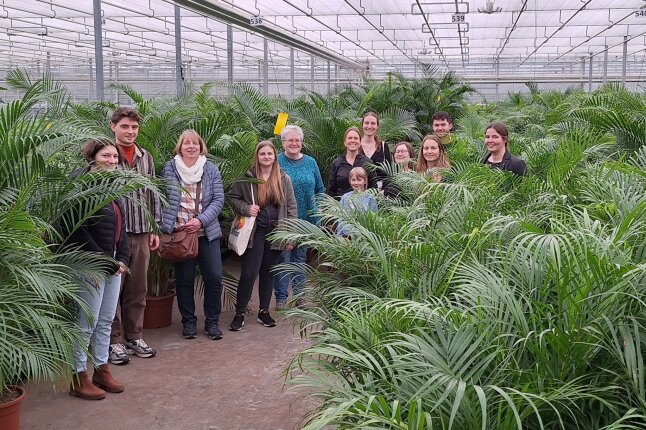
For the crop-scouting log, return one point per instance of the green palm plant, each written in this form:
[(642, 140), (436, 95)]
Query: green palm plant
[(487, 301), (39, 281)]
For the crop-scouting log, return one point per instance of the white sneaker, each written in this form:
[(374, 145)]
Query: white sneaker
[(118, 354), (139, 347)]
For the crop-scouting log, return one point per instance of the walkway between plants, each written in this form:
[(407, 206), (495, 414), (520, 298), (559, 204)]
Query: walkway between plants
[(230, 384)]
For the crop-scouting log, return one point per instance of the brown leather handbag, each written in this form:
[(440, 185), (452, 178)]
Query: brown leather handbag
[(181, 245)]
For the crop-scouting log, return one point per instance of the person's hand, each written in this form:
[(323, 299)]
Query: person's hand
[(289, 247), (193, 225), (122, 268), (254, 210), (153, 242)]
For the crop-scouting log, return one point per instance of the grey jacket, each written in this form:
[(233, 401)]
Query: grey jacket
[(212, 199), (240, 199)]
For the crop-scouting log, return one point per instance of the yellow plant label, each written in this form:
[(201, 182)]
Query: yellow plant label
[(281, 122)]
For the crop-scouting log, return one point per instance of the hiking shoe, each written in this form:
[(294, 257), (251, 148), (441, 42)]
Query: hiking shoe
[(265, 319), (212, 330), (190, 330), (280, 305), (139, 347), (118, 354), (237, 323)]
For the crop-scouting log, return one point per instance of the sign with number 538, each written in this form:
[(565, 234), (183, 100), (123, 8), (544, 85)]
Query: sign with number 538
[(255, 20)]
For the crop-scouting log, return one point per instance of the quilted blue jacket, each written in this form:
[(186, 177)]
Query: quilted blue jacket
[(212, 198)]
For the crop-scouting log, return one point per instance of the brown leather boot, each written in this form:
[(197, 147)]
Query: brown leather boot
[(103, 378), (82, 387)]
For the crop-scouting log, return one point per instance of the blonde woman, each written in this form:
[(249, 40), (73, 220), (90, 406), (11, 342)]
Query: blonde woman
[(432, 155), (190, 177), (271, 201)]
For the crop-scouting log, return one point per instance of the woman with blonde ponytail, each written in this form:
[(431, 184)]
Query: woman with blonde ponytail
[(270, 200)]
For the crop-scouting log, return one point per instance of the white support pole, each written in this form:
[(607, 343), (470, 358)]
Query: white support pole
[(265, 68), (230, 54), (623, 61), (312, 72), (590, 74), (605, 64), (292, 65), (98, 49), (329, 75), (179, 74)]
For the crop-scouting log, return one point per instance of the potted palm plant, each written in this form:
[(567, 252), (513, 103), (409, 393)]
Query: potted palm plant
[(39, 283), (160, 297)]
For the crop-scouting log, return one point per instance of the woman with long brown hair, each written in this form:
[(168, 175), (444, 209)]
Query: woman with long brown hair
[(270, 201), (371, 144), (432, 155)]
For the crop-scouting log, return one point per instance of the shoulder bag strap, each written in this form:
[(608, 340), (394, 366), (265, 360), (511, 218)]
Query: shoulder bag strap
[(197, 198), (253, 201)]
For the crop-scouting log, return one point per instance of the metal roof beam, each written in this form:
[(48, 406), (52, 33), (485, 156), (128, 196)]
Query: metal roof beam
[(233, 18)]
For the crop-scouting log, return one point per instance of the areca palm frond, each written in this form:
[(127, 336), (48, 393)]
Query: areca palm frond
[(39, 286)]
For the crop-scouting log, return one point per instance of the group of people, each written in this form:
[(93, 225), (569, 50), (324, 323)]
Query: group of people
[(364, 146), (275, 188)]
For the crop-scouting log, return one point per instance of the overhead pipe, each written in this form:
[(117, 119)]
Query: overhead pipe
[(555, 31), (594, 36), (513, 27), (229, 16)]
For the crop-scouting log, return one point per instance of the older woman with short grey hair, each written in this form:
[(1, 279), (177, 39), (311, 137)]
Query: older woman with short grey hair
[(307, 182)]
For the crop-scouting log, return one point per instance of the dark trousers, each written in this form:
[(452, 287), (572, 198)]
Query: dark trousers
[(257, 260), (128, 323), (210, 263)]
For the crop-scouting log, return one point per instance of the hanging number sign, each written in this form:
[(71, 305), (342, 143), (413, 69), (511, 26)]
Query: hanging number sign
[(255, 20), (458, 17)]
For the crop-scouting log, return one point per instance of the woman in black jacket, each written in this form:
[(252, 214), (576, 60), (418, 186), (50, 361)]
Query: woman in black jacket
[(103, 233), (499, 157), (338, 182)]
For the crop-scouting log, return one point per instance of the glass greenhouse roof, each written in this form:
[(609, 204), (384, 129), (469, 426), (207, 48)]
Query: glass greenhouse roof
[(475, 37)]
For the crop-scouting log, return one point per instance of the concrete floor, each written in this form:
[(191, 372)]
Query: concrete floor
[(235, 383)]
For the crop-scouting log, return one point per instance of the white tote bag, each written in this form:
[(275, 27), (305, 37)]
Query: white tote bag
[(241, 229)]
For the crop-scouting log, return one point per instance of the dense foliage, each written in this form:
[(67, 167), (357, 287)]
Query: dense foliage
[(484, 301), (491, 301)]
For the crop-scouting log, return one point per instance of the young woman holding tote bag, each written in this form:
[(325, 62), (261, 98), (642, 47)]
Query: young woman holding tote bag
[(273, 201)]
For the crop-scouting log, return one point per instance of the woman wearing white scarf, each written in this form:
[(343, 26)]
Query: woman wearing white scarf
[(190, 171), (191, 176)]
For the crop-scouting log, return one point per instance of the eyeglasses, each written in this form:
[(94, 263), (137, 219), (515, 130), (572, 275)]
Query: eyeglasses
[(293, 141), (401, 151)]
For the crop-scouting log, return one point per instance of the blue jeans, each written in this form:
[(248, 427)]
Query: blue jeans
[(210, 263), (101, 299), (295, 275)]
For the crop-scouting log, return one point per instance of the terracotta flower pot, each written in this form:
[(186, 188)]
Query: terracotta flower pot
[(10, 411), (159, 311)]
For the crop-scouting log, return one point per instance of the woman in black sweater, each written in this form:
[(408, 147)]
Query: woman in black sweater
[(338, 182)]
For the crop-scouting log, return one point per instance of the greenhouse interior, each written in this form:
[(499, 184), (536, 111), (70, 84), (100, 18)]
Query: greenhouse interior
[(384, 214), (285, 47)]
